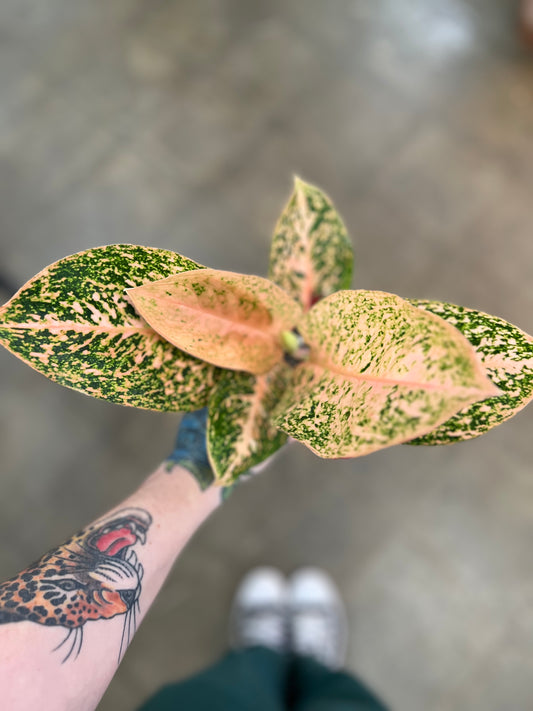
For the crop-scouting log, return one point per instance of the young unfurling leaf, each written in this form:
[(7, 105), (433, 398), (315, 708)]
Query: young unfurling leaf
[(311, 255)]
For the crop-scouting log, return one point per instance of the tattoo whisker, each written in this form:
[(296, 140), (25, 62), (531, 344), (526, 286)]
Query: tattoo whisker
[(107, 577), (122, 638), (109, 565), (126, 566), (80, 640), (130, 617), (72, 646), (133, 624), (63, 642), (119, 567)]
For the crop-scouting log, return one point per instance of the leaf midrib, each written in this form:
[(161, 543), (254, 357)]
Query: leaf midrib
[(304, 230), (245, 437), (76, 326), (270, 330), (349, 375)]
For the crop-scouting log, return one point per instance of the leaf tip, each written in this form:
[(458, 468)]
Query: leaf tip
[(495, 391), (300, 184), (134, 295), (488, 390)]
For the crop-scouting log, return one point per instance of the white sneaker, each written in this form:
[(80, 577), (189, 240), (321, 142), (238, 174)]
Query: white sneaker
[(259, 612), (317, 618)]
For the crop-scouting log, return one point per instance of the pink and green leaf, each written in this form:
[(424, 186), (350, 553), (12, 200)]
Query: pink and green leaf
[(311, 255), (240, 432), (380, 372), (234, 321), (73, 323), (505, 352)]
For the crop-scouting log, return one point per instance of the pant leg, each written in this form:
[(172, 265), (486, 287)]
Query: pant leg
[(251, 679), (314, 687)]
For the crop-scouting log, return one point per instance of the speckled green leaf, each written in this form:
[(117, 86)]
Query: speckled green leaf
[(380, 372), (506, 353), (240, 433), (73, 323), (232, 320), (311, 255)]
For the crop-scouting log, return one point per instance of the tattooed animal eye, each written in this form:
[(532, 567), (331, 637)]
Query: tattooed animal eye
[(68, 584)]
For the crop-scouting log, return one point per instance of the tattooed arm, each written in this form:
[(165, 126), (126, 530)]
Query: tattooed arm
[(66, 621)]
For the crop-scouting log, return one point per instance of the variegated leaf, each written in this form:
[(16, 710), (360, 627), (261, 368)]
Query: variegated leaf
[(380, 372), (240, 433), (73, 323), (506, 353), (311, 255), (232, 320)]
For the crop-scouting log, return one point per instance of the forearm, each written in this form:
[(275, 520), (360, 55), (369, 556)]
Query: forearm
[(89, 595)]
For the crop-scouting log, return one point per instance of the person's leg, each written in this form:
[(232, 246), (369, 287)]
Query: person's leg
[(318, 639), (252, 679), (314, 687)]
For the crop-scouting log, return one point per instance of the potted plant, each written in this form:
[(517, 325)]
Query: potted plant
[(296, 355)]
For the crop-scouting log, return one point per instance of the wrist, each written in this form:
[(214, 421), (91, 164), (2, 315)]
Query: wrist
[(175, 493)]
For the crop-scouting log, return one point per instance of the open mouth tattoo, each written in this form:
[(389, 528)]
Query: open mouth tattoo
[(94, 575)]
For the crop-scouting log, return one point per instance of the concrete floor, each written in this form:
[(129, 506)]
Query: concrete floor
[(178, 124)]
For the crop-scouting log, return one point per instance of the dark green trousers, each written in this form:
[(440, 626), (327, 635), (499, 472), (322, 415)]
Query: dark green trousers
[(259, 679)]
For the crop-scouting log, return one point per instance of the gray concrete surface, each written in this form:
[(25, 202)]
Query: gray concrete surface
[(179, 124)]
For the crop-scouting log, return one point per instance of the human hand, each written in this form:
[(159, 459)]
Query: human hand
[(190, 452)]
